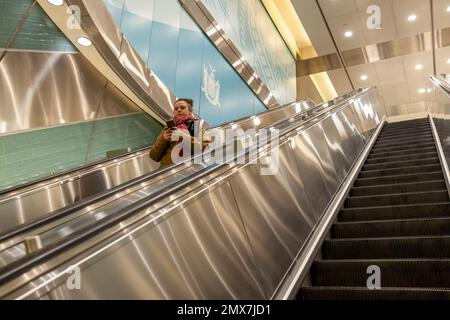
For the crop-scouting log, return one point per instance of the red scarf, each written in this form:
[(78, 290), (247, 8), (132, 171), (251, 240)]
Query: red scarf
[(181, 121)]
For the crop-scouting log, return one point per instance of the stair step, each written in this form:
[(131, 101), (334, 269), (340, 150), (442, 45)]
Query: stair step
[(398, 188), (405, 130), (412, 156), (399, 164), (397, 199), (403, 152), (357, 293), (405, 137), (424, 273), (402, 142), (413, 211), (383, 136), (396, 179), (392, 228), (387, 248), (401, 147), (400, 171)]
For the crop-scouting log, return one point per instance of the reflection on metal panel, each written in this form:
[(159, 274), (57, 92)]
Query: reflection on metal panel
[(25, 205), (42, 89), (232, 234), (115, 49)]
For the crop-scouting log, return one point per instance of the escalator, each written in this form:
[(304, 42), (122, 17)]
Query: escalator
[(396, 218), (29, 204), (198, 230)]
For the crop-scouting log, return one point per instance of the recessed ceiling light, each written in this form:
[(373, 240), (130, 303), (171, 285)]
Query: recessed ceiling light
[(83, 41), (412, 17), (422, 90), (348, 34), (56, 2), (364, 77), (448, 9), (429, 90), (448, 61), (419, 67)]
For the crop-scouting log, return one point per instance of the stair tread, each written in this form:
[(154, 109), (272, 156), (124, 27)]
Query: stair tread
[(397, 194), (402, 175), (397, 184), (397, 206), (393, 221)]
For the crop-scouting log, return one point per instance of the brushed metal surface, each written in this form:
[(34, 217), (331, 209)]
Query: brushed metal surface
[(237, 231), (27, 204), (116, 50), (201, 252), (43, 89), (201, 15)]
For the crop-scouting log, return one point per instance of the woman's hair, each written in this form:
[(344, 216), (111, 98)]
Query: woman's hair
[(190, 102)]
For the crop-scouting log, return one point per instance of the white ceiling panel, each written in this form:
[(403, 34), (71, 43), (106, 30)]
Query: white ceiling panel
[(403, 9), (388, 29), (340, 81), (342, 24), (423, 84), (390, 71), (413, 61), (368, 70), (441, 15), (395, 94), (336, 8)]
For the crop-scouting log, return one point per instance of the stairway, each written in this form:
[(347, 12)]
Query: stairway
[(396, 217)]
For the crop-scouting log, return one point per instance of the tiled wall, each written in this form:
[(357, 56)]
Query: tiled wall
[(38, 32), (36, 154), (184, 58)]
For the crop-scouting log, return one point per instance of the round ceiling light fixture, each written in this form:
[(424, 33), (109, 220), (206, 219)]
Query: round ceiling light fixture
[(412, 18), (348, 34), (56, 2), (83, 41), (364, 77), (419, 67)]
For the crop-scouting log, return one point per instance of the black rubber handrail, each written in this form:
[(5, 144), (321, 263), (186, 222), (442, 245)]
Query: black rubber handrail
[(19, 266)]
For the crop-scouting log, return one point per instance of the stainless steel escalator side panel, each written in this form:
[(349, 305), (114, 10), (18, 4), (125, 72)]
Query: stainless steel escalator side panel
[(26, 205), (200, 252), (275, 215), (440, 122)]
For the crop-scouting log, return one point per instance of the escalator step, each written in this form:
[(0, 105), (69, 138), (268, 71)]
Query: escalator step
[(392, 228), (396, 179), (406, 141), (402, 152), (411, 156), (356, 293), (400, 171), (398, 188), (396, 212), (399, 147), (431, 273), (397, 199), (399, 164), (418, 133), (387, 248)]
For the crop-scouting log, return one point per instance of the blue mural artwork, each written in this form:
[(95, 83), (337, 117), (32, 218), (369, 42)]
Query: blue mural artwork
[(250, 28), (183, 57)]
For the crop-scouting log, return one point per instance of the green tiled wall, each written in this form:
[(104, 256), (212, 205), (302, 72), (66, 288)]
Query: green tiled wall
[(38, 154), (38, 32)]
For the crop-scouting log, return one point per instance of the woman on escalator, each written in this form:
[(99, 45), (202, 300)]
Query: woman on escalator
[(184, 126)]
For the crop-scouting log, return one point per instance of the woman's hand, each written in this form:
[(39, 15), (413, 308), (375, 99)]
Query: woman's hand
[(167, 135)]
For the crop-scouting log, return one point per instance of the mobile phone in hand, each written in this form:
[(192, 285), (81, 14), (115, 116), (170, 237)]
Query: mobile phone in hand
[(171, 124)]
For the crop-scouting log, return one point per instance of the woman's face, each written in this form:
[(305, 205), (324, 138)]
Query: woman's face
[(181, 108)]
